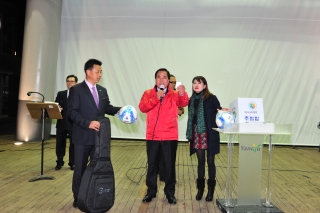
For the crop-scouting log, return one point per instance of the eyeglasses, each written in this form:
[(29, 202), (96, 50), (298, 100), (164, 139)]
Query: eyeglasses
[(70, 81), (172, 82)]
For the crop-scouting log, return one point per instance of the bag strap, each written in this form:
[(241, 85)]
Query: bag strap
[(103, 139)]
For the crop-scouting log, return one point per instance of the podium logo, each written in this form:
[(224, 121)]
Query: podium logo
[(254, 148), (252, 105), (102, 190)]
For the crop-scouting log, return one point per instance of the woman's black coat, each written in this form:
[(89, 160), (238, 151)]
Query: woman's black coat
[(210, 107)]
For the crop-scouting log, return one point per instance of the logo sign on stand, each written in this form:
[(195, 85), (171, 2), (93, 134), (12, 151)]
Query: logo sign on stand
[(248, 110)]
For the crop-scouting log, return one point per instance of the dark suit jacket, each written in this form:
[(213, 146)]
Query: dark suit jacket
[(82, 110), (62, 100)]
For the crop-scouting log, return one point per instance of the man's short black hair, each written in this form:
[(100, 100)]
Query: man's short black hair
[(72, 76), (89, 64), (162, 69)]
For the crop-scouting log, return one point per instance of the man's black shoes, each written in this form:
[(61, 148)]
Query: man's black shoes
[(148, 198), (71, 166), (75, 204), (171, 199), (59, 165)]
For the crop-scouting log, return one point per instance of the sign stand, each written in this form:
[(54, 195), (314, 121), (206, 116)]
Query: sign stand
[(250, 167), (44, 111)]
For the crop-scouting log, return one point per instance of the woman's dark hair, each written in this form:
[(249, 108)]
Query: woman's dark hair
[(206, 92), (89, 64), (162, 69)]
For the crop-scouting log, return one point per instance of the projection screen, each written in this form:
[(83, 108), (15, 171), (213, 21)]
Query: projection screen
[(265, 49)]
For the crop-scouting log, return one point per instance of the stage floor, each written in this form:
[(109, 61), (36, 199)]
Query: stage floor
[(295, 186)]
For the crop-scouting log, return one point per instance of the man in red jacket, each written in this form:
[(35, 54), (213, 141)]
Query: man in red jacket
[(161, 105)]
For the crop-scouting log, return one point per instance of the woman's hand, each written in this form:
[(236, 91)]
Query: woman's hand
[(224, 109)]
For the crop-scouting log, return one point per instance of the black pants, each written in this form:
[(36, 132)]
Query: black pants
[(161, 168), (81, 160), (61, 143), (168, 151), (161, 171)]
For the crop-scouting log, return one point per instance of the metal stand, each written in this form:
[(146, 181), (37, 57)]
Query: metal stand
[(41, 176), (249, 170), (229, 191), (269, 175), (229, 204)]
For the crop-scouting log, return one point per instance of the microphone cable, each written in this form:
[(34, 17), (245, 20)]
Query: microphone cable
[(154, 128)]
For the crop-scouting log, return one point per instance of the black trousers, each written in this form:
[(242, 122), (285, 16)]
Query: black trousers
[(81, 160), (161, 168), (61, 144), (168, 150)]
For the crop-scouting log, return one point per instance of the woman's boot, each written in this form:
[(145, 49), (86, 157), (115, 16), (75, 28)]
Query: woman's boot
[(200, 187), (211, 187)]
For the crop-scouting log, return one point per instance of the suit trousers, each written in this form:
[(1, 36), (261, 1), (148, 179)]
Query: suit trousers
[(161, 168), (61, 143), (81, 159), (168, 151)]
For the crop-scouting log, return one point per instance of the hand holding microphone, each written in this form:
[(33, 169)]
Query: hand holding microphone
[(160, 93)]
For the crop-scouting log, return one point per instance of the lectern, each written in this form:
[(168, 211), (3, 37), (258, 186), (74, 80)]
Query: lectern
[(249, 169), (43, 110), (250, 127)]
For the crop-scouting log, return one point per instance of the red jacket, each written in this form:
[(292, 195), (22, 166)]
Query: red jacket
[(162, 120)]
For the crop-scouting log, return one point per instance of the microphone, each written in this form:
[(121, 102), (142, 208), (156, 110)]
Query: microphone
[(29, 93), (161, 88)]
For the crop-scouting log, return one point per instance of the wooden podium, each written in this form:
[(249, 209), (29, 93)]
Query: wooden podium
[(43, 110)]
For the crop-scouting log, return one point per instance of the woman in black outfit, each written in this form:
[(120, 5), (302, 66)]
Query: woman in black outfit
[(202, 110)]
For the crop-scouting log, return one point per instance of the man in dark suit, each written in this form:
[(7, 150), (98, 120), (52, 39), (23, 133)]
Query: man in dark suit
[(87, 102), (64, 126)]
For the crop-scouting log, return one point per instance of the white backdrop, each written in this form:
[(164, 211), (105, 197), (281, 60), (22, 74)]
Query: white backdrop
[(252, 48)]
